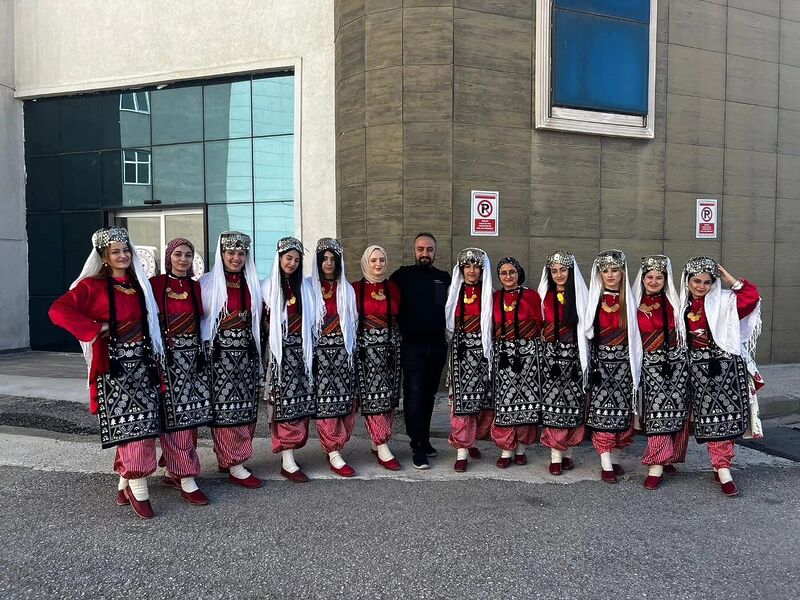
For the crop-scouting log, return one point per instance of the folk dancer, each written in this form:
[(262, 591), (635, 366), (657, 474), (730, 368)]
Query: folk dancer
[(231, 325), (378, 303), (468, 314), (615, 360), (111, 310), (565, 358), (517, 364)]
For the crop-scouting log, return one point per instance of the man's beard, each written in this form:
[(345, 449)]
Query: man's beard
[(425, 261)]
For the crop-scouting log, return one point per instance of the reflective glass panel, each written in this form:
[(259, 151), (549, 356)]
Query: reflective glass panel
[(178, 173), (273, 105), (81, 176), (227, 110), (273, 221), (223, 217), (177, 115), (273, 164), (45, 255), (229, 171), (89, 122), (42, 124), (42, 188)]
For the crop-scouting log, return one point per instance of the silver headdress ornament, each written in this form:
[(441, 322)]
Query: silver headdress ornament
[(561, 257), (105, 236), (234, 240), (331, 244), (701, 264), (654, 262), (609, 259), (290, 243), (475, 256)]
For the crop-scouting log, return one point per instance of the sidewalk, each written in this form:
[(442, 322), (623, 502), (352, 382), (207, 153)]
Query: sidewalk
[(57, 384)]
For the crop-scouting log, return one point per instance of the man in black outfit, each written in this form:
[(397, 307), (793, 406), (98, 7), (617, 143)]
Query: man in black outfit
[(423, 290)]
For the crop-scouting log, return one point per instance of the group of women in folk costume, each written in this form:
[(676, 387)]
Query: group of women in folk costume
[(565, 361), (171, 354)]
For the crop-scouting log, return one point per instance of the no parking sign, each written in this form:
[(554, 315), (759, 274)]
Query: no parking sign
[(485, 213), (706, 223)]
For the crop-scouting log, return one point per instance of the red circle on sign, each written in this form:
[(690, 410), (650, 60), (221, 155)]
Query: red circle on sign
[(484, 208)]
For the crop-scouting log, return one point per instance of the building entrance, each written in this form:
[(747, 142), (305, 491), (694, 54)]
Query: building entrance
[(151, 230)]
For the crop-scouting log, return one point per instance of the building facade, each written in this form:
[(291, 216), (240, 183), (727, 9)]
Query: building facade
[(599, 123)]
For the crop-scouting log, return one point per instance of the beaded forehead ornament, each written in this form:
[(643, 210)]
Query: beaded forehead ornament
[(654, 262), (105, 236), (290, 243), (701, 264), (561, 257), (474, 256), (609, 259), (331, 244), (234, 240)]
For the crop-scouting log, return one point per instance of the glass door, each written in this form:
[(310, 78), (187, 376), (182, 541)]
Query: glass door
[(151, 230)]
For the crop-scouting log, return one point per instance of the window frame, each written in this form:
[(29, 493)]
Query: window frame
[(547, 116), (136, 162), (145, 110)]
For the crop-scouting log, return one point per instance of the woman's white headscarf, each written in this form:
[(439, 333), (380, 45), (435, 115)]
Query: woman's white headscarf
[(101, 239), (215, 289), (272, 293), (365, 271), (480, 258), (603, 260), (662, 264), (567, 259), (345, 297)]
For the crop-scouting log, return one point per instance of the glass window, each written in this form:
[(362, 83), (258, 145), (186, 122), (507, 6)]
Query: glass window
[(45, 255), (600, 59), (227, 110), (42, 190), (273, 105), (229, 171), (78, 228), (135, 101), (42, 124), (81, 177), (595, 66), (273, 220), (224, 217), (136, 167), (177, 115), (273, 160), (178, 173), (89, 122)]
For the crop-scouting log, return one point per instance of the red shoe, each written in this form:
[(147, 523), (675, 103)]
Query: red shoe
[(345, 471), (390, 465), (122, 499), (555, 468), (670, 470), (503, 462), (651, 482), (197, 497), (567, 464), (608, 476), (141, 508), (474, 453), (716, 478), (250, 482), (521, 459), (297, 476), (618, 470), (460, 466), (172, 482), (729, 488)]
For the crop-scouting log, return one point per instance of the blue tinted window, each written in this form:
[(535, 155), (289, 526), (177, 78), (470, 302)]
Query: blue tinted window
[(273, 105), (601, 62), (229, 171), (273, 163)]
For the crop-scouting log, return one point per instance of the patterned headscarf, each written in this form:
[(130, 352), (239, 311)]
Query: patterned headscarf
[(171, 248)]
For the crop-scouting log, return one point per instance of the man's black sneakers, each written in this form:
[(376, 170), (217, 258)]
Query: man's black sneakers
[(430, 451), (419, 460)]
